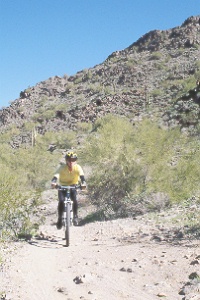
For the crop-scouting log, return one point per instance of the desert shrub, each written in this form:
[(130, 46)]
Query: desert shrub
[(48, 114), (131, 163), (197, 73), (35, 117), (34, 165), (15, 219), (189, 84), (62, 106), (7, 135), (87, 75), (62, 139), (188, 170), (156, 93), (165, 154), (84, 127), (116, 171), (160, 66), (156, 56), (24, 174), (14, 205), (28, 126), (43, 100), (78, 80), (197, 64), (108, 90), (130, 63)]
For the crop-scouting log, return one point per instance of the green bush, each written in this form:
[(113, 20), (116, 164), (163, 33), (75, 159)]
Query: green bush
[(13, 203), (129, 163), (163, 154), (84, 127), (156, 93), (135, 162), (24, 174), (156, 56), (115, 170), (62, 139)]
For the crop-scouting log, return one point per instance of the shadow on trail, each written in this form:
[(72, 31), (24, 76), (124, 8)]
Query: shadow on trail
[(47, 243), (97, 216), (45, 240)]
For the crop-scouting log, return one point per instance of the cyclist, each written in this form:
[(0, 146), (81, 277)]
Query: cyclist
[(70, 173)]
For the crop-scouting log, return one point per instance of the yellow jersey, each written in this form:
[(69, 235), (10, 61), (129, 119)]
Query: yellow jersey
[(67, 177)]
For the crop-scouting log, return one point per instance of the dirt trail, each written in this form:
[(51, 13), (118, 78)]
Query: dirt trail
[(121, 259)]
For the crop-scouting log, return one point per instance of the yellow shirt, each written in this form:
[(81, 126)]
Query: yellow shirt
[(66, 177)]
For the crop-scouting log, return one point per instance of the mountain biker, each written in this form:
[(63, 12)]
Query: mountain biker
[(70, 173)]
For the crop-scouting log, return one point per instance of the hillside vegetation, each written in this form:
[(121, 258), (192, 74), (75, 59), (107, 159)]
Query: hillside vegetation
[(130, 161), (135, 169)]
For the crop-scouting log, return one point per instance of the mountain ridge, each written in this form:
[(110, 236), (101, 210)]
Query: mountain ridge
[(144, 79)]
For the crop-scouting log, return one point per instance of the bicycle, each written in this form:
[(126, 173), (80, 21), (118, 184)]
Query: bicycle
[(67, 217)]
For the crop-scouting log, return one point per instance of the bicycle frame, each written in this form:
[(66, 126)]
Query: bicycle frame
[(67, 217)]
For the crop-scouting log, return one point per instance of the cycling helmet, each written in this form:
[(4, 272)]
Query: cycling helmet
[(71, 155)]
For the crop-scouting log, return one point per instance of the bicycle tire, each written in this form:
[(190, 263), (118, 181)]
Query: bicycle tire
[(67, 224)]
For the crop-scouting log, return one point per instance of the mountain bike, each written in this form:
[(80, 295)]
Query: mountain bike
[(67, 217)]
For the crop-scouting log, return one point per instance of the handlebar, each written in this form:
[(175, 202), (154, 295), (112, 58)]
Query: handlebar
[(67, 187)]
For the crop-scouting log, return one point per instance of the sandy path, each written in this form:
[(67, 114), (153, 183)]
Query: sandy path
[(105, 260)]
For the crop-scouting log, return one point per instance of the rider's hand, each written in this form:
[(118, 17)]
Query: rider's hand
[(53, 185), (83, 186)]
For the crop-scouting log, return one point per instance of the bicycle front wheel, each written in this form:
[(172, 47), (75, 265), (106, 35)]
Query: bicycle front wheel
[(67, 224)]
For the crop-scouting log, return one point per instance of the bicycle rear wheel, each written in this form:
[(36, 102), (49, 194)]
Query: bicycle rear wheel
[(67, 224)]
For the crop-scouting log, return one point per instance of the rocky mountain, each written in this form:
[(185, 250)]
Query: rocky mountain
[(156, 76)]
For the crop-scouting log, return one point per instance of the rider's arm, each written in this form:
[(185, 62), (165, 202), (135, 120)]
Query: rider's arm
[(83, 183), (54, 179), (53, 182), (82, 178)]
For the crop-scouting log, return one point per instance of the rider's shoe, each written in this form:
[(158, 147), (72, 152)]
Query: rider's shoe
[(75, 220), (59, 223)]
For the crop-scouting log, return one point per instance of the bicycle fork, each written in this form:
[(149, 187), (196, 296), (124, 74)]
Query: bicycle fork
[(71, 213), (68, 211)]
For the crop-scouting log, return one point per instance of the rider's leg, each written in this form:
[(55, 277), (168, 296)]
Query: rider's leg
[(75, 201), (61, 198), (75, 205)]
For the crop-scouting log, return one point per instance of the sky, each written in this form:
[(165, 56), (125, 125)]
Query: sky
[(40, 39)]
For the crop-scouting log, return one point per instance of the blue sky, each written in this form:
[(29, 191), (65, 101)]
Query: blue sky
[(43, 38)]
